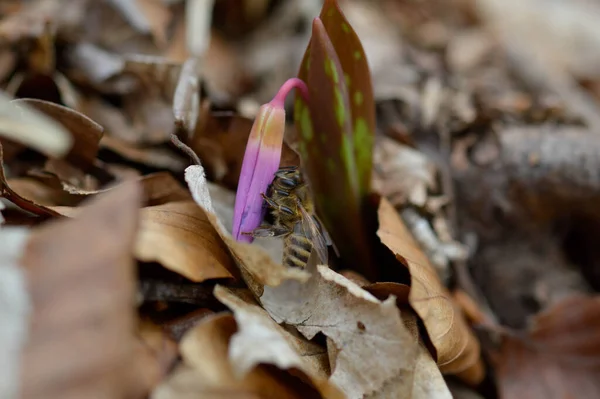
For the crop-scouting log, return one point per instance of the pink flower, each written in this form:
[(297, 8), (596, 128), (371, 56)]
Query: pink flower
[(261, 161)]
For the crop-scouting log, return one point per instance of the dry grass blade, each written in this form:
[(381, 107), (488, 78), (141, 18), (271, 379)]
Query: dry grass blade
[(81, 282), (456, 347)]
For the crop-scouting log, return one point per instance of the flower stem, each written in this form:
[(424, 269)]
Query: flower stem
[(284, 90)]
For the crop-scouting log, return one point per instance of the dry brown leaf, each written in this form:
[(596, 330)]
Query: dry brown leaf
[(160, 158), (179, 236), (456, 347), (207, 372), (557, 357), (428, 381), (22, 124), (256, 265), (86, 133), (401, 173), (371, 351), (260, 340), (18, 200), (81, 281), (155, 354)]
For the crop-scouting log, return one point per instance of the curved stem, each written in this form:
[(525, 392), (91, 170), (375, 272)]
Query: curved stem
[(284, 90)]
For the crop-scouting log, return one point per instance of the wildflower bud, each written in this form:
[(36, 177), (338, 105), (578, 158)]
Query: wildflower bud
[(261, 161)]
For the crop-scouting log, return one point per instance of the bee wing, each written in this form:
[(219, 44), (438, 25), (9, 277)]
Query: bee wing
[(328, 241), (312, 231)]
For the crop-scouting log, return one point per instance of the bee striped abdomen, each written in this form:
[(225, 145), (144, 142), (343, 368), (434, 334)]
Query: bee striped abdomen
[(296, 251)]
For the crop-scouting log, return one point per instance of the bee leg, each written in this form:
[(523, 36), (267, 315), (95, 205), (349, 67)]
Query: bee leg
[(269, 231), (275, 205)]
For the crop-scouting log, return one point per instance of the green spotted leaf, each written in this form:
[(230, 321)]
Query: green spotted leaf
[(327, 148), (357, 76)]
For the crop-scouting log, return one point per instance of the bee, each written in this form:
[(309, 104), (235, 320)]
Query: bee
[(294, 219)]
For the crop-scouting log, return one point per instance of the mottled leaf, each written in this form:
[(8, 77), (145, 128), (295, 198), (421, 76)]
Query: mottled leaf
[(326, 148), (357, 78)]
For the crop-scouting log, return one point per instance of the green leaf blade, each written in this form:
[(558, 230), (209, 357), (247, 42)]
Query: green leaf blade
[(357, 75)]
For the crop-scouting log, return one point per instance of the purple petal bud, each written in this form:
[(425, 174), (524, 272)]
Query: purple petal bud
[(261, 161)]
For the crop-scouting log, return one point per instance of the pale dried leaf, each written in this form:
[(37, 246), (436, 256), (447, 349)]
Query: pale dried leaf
[(179, 236), (25, 125), (206, 371), (457, 348), (260, 340), (401, 173), (85, 132), (186, 100), (428, 382), (15, 309), (373, 348)]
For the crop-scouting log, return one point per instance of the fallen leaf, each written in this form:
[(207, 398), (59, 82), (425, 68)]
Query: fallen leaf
[(428, 381), (81, 281), (27, 126), (156, 157), (456, 347), (18, 200), (401, 173), (207, 372), (85, 132), (557, 357), (155, 355), (179, 235), (373, 353), (17, 306), (260, 340)]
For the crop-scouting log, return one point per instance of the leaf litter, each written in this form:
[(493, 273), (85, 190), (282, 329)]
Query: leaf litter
[(480, 223)]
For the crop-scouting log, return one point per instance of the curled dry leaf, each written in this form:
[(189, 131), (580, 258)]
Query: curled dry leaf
[(457, 349), (260, 340), (18, 200), (256, 265), (207, 371), (179, 235), (558, 355), (27, 126), (81, 282), (371, 351), (85, 132)]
